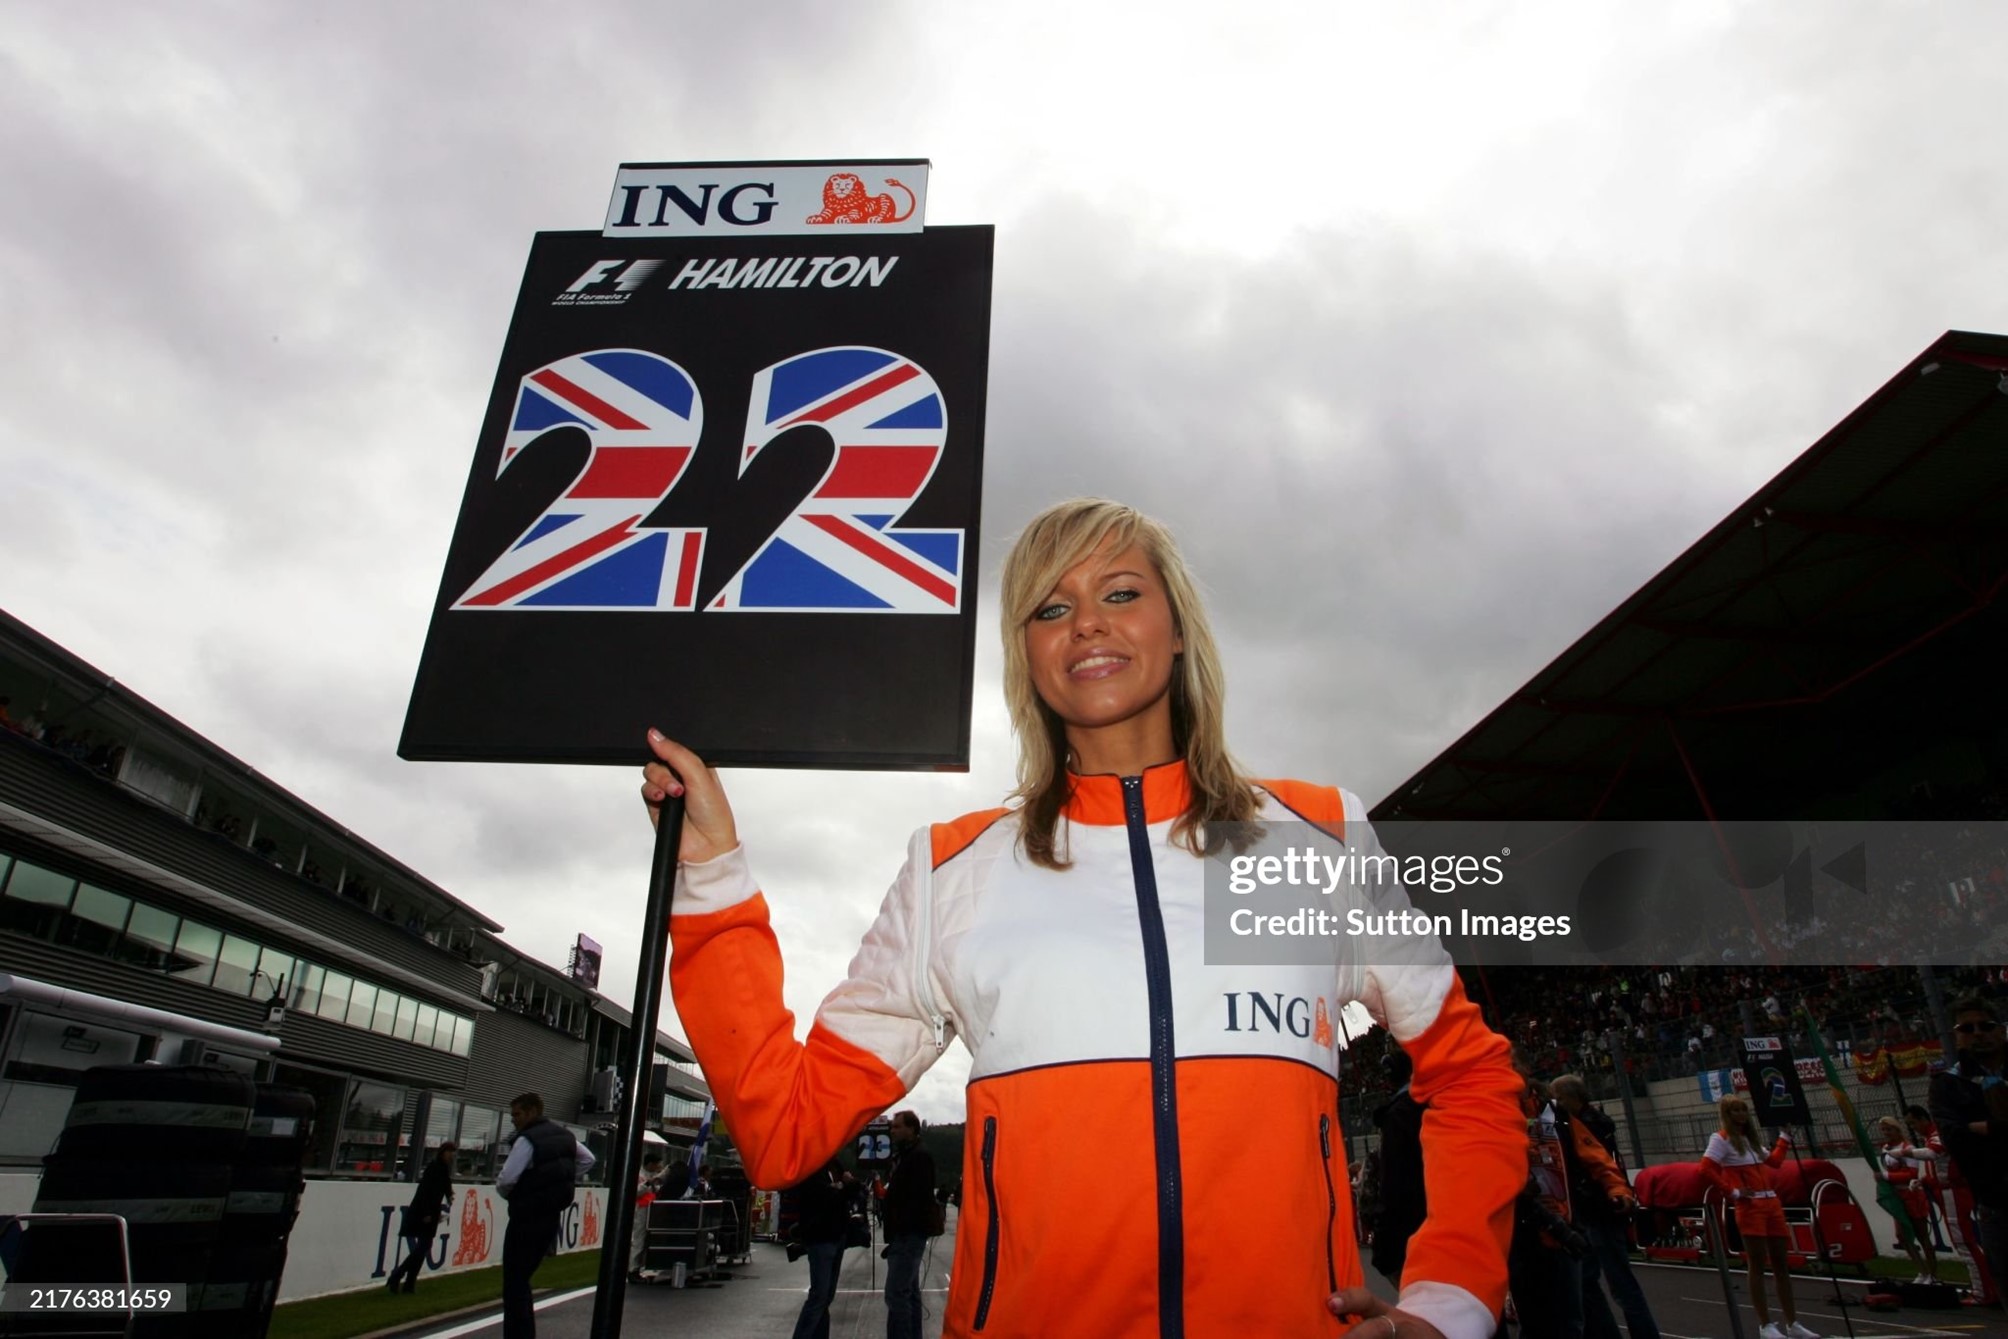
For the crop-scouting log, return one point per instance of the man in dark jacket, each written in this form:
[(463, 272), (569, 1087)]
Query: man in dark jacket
[(1402, 1201), (543, 1166), (1970, 1104), (909, 1215), (823, 1211), (421, 1218)]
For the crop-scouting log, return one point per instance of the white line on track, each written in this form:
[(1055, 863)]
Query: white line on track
[(475, 1326), (1897, 1331)]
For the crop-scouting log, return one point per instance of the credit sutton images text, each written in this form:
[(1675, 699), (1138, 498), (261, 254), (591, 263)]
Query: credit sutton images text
[(1312, 869)]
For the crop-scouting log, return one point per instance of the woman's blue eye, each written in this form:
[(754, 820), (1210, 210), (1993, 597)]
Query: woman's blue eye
[(1123, 596), (1050, 612)]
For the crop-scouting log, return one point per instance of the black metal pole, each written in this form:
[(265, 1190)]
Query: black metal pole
[(1840, 1299), (1718, 1246), (1895, 1082), (1620, 1061), (1941, 1021), (636, 1064)]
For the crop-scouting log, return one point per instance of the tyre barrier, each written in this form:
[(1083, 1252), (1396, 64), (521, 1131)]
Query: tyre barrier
[(282, 1121), (192, 1112), (262, 1204), (204, 1166), (165, 1203)]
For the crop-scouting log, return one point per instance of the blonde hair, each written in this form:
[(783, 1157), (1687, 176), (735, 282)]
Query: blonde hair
[(1057, 540), (1738, 1138)]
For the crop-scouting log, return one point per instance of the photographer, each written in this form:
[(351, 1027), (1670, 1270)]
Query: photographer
[(822, 1206), (1543, 1264), (1602, 1198)]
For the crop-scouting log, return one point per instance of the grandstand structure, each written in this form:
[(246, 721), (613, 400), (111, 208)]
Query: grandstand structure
[(161, 900), (1825, 652)]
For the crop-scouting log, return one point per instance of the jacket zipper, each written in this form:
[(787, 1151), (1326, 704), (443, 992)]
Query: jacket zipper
[(1331, 1198), (920, 859), (990, 1229), (1163, 1077)]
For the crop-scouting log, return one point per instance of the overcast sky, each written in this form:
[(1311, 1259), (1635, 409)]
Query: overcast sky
[(1433, 331)]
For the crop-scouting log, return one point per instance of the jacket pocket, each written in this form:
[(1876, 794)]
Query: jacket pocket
[(1331, 1198), (990, 1242)]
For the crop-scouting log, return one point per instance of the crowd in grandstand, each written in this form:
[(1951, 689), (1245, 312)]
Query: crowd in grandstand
[(1676, 1020)]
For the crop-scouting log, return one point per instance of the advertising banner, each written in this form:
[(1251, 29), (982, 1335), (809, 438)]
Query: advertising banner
[(727, 486), (745, 199)]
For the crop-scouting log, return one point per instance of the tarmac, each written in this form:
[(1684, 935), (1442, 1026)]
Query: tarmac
[(761, 1299)]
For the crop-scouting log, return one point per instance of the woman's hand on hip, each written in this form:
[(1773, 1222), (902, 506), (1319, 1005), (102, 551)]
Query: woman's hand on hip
[(1374, 1319), (708, 830)]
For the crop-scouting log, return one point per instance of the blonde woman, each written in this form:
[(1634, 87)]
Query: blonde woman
[(1903, 1164), (1735, 1165), (1141, 1157)]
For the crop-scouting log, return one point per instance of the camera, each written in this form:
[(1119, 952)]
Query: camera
[(1537, 1215)]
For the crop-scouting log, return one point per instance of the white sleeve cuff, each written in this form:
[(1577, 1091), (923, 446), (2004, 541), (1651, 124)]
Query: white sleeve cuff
[(720, 882), (1450, 1309)]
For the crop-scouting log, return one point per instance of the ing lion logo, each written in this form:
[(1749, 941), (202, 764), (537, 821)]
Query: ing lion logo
[(1321, 1029), (845, 200), (474, 1226), (590, 1235)]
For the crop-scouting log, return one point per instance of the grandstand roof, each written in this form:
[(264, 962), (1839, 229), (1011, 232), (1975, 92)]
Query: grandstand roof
[(1827, 649)]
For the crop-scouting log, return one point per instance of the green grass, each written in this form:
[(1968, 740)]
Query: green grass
[(1900, 1267), (368, 1310)]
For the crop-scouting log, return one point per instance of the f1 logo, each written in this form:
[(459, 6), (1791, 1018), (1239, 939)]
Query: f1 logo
[(632, 277)]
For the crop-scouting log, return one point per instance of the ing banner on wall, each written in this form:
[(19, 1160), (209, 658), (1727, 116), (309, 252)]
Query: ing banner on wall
[(728, 487)]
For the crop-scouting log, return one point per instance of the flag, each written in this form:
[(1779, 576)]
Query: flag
[(1886, 1194), (641, 416), (844, 548), (700, 1147)]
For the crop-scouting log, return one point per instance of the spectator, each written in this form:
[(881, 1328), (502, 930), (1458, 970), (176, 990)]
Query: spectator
[(1970, 1103), (822, 1206), (909, 1213)]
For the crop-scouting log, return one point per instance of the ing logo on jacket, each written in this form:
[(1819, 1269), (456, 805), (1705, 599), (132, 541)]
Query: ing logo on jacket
[(1273, 1011)]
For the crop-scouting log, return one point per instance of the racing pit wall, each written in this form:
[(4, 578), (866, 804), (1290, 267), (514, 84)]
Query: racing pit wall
[(346, 1236)]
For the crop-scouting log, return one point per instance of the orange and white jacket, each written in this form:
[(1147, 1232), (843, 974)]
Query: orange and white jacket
[(1153, 1145)]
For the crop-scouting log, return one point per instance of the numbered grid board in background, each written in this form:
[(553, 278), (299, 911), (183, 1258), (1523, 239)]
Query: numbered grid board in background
[(729, 488)]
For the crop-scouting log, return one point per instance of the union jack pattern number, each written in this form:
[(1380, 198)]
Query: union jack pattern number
[(840, 550)]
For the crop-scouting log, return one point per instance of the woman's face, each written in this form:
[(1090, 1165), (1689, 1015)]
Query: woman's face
[(1102, 645)]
